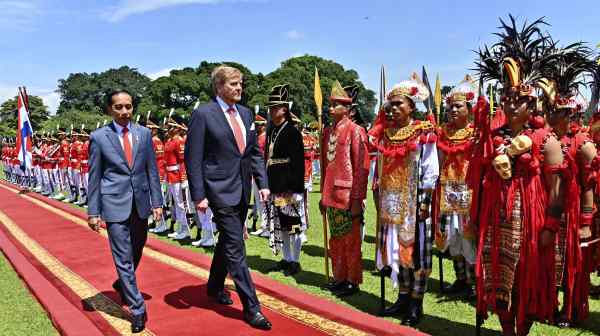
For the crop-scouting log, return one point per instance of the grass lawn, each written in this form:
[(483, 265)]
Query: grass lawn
[(20, 313)]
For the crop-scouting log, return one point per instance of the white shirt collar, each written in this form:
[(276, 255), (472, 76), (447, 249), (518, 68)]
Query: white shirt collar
[(119, 128), (224, 106)]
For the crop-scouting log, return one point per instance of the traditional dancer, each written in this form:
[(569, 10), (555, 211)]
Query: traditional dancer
[(345, 170), (285, 172), (573, 263), (407, 173), (454, 231), (520, 208)]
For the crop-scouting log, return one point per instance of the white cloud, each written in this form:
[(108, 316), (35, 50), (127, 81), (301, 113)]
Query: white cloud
[(50, 98), (19, 15), (127, 8), (294, 35), (160, 73)]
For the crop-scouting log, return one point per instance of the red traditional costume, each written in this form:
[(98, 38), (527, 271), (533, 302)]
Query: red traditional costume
[(454, 230), (344, 180), (515, 272)]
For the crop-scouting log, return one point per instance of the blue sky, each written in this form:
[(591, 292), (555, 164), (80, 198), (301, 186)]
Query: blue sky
[(45, 40)]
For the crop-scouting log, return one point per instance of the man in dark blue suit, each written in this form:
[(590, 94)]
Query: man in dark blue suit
[(221, 157), (123, 190)]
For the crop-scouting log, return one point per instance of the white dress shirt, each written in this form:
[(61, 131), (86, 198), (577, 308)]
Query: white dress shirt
[(119, 129), (224, 108)]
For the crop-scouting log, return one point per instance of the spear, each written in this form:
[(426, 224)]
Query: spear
[(382, 86), (382, 91), (318, 95)]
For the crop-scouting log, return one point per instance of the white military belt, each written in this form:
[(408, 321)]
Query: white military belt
[(173, 168), (84, 161), (271, 162)]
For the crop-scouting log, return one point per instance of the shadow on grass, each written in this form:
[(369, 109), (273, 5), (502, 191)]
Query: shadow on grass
[(435, 325)]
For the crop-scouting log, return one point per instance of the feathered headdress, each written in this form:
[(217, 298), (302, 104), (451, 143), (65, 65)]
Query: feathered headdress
[(519, 60), (569, 67)]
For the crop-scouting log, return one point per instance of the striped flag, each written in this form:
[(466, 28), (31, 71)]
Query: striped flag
[(24, 130)]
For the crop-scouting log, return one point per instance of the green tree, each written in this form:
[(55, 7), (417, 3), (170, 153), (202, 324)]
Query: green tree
[(74, 118), (184, 87), (299, 73), (84, 92), (38, 113)]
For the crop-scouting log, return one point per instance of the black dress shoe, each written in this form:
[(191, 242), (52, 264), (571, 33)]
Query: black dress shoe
[(138, 323), (414, 313), (222, 297), (258, 321), (292, 269), (347, 290), (399, 307), (117, 287)]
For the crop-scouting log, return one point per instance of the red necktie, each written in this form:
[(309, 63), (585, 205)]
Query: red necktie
[(127, 147), (237, 130)]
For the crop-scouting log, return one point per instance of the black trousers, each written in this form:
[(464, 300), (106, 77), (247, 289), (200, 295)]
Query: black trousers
[(230, 256)]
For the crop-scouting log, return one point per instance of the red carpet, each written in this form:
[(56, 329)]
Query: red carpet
[(172, 280)]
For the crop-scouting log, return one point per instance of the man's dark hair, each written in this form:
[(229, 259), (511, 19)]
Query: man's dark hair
[(108, 99)]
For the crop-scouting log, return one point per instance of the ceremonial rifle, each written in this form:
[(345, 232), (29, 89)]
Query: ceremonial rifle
[(318, 95)]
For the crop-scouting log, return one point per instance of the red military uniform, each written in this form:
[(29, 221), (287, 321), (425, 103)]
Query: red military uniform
[(63, 156), (159, 150), (172, 164), (262, 140), (44, 156), (309, 155), (75, 162), (180, 158), (83, 157)]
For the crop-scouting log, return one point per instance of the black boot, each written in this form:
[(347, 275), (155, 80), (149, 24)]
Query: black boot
[(399, 307), (346, 290), (334, 285), (414, 313), (292, 269)]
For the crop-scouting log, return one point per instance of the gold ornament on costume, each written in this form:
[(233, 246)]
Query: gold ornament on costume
[(398, 135), (515, 82), (339, 94)]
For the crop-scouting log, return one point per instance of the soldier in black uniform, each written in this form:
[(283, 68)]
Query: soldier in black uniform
[(284, 154)]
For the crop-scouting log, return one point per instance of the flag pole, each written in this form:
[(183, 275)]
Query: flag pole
[(318, 95)]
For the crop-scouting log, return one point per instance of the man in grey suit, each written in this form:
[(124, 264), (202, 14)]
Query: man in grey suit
[(124, 189)]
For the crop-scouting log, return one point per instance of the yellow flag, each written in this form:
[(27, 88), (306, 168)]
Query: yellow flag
[(318, 93), (437, 98)]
